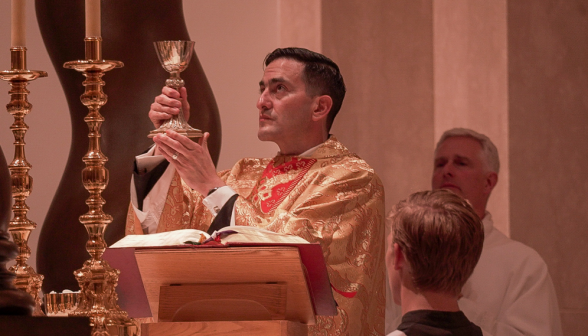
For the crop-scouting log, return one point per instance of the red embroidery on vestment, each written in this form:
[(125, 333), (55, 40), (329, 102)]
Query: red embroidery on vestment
[(348, 295), (277, 182)]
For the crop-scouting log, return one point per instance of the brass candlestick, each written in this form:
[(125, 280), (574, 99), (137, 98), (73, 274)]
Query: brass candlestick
[(96, 278), (20, 226)]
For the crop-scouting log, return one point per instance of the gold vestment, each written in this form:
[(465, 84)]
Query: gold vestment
[(333, 198)]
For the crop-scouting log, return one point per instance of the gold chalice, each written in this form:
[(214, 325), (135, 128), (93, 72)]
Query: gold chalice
[(175, 57)]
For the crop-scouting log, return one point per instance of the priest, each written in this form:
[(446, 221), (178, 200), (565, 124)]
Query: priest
[(314, 187)]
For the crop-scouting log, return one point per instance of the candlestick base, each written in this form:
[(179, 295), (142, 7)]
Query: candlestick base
[(14, 301)]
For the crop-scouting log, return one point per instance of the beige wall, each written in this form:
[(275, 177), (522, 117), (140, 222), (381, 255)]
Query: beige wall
[(387, 62), (232, 38), (471, 87), (548, 127), (300, 24), (515, 70)]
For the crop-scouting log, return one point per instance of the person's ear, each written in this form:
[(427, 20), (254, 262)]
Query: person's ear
[(491, 180), (398, 257), (322, 107)]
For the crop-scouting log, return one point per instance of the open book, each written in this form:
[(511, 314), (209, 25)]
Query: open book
[(229, 234)]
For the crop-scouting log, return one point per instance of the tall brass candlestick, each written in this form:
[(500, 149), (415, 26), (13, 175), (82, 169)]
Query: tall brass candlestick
[(20, 226), (96, 278)]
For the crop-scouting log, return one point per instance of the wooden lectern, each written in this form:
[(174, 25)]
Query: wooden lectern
[(236, 289)]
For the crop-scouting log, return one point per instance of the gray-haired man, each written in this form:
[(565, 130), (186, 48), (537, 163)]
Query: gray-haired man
[(510, 291)]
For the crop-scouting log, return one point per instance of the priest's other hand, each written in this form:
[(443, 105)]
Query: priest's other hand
[(191, 160), (167, 104)]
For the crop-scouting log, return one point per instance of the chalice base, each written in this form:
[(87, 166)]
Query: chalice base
[(187, 132)]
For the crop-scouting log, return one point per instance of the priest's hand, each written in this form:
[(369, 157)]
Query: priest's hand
[(191, 160), (168, 104)]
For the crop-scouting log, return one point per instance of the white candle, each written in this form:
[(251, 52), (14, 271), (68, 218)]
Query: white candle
[(92, 18), (18, 28)]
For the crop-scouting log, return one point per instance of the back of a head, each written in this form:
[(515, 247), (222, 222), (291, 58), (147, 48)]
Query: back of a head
[(321, 75), (441, 238)]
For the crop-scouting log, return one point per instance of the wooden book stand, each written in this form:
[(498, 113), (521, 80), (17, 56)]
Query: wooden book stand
[(248, 289)]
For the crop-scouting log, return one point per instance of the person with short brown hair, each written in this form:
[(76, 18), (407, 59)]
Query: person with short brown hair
[(435, 241)]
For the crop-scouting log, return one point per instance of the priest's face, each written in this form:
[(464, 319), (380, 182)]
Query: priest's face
[(461, 168), (285, 108)]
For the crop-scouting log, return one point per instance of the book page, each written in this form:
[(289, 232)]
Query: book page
[(171, 238), (229, 234), (251, 234)]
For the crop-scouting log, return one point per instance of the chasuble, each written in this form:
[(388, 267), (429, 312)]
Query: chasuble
[(332, 197)]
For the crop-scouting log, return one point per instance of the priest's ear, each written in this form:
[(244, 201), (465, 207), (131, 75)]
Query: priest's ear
[(322, 107)]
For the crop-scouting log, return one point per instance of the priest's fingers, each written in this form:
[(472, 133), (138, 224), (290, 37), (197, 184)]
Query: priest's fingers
[(163, 148), (170, 143), (170, 92), (158, 114), (192, 161), (166, 104), (177, 158), (193, 152), (175, 99), (203, 142), (185, 103), (183, 140)]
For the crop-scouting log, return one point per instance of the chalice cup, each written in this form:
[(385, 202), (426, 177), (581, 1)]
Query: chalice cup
[(175, 57)]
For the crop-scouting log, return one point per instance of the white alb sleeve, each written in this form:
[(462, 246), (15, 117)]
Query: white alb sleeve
[(215, 202), (155, 200)]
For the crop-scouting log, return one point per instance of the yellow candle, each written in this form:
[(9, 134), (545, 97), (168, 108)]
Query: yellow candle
[(92, 18), (18, 29)]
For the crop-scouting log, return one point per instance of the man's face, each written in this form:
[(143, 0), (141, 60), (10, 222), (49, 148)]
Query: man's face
[(459, 167), (285, 109)]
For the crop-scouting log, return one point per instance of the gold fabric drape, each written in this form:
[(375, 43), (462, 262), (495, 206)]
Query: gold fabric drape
[(333, 198)]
